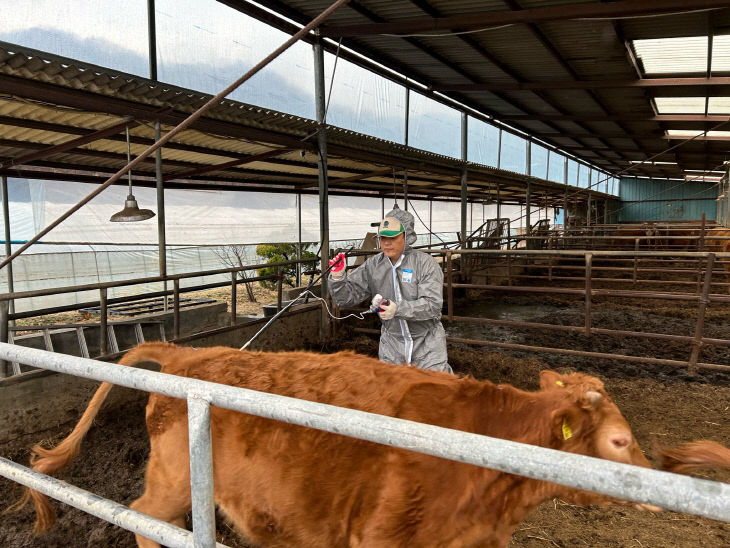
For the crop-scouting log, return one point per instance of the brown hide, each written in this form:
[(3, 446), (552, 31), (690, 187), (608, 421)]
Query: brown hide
[(693, 456), (286, 485)]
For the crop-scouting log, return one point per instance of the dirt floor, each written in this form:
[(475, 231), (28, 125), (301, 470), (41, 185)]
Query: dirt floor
[(663, 404)]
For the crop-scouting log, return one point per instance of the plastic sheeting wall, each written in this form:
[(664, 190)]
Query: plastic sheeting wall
[(666, 200), (224, 218)]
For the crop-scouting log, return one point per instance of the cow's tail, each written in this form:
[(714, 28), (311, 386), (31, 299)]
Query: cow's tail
[(694, 455), (51, 461)]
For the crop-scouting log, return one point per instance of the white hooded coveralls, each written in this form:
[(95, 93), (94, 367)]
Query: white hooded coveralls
[(415, 283)]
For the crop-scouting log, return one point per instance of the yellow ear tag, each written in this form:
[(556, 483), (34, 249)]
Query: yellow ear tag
[(559, 383), (567, 431)]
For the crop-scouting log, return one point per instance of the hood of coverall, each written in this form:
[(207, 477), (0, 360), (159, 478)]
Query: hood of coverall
[(408, 223)]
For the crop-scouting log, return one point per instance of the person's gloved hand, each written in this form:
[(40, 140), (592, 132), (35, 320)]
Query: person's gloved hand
[(337, 266), (387, 309), (375, 303)]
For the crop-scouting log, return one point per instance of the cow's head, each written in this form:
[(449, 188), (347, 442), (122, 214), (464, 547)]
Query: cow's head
[(589, 422)]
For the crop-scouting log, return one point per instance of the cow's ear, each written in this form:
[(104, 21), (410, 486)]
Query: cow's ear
[(550, 379), (566, 423)]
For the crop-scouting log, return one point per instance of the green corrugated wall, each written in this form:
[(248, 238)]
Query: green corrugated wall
[(666, 200)]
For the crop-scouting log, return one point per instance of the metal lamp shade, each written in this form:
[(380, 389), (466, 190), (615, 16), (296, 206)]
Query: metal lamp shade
[(131, 212)]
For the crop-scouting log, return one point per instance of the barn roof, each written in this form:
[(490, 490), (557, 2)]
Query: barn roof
[(621, 84), (64, 119)]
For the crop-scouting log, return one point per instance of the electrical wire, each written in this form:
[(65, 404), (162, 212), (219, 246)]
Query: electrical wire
[(458, 33), (307, 293), (410, 203)]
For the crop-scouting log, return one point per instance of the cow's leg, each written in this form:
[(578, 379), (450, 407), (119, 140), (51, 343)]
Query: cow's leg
[(167, 480)]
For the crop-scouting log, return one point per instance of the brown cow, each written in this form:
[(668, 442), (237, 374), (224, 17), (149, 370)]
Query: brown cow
[(286, 485)]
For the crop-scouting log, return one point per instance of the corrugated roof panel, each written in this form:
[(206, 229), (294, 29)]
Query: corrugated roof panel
[(672, 55), (680, 105), (718, 105)]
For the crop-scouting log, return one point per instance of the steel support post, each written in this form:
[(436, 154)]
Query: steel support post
[(588, 299), (449, 279), (464, 151), (176, 309), (699, 326), (161, 237), (4, 324), (499, 149), (201, 472), (299, 239), (8, 247), (405, 190), (565, 199), (528, 224), (588, 210), (703, 229), (499, 206), (279, 288), (407, 116), (234, 296), (152, 39), (319, 97), (103, 346), (430, 221)]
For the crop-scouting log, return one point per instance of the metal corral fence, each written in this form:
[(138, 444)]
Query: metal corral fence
[(238, 275), (461, 265), (671, 491)]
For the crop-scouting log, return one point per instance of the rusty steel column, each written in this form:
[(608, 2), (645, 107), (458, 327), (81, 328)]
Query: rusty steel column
[(697, 343), (589, 264)]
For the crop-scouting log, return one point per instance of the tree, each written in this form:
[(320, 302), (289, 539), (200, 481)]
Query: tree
[(283, 252), (235, 256)]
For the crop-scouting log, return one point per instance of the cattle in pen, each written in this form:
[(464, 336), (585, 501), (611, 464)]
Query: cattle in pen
[(287, 485)]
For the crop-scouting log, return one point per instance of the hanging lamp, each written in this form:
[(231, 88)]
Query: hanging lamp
[(131, 211)]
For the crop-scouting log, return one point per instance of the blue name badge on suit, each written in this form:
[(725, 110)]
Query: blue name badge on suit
[(407, 275)]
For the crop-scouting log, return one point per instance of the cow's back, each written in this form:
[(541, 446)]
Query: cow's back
[(276, 479)]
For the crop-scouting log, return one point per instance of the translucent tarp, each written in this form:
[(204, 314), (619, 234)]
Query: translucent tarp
[(482, 142), (433, 126), (538, 161), (104, 33), (557, 167), (514, 153)]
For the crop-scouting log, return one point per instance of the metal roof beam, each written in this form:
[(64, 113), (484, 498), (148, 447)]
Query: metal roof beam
[(480, 20), (225, 165), (68, 145), (587, 84), (628, 117)]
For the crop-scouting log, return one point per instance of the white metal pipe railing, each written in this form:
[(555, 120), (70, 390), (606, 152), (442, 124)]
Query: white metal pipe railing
[(671, 491), (113, 512)]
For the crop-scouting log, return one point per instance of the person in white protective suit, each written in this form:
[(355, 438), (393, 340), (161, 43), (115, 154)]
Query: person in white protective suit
[(411, 283)]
